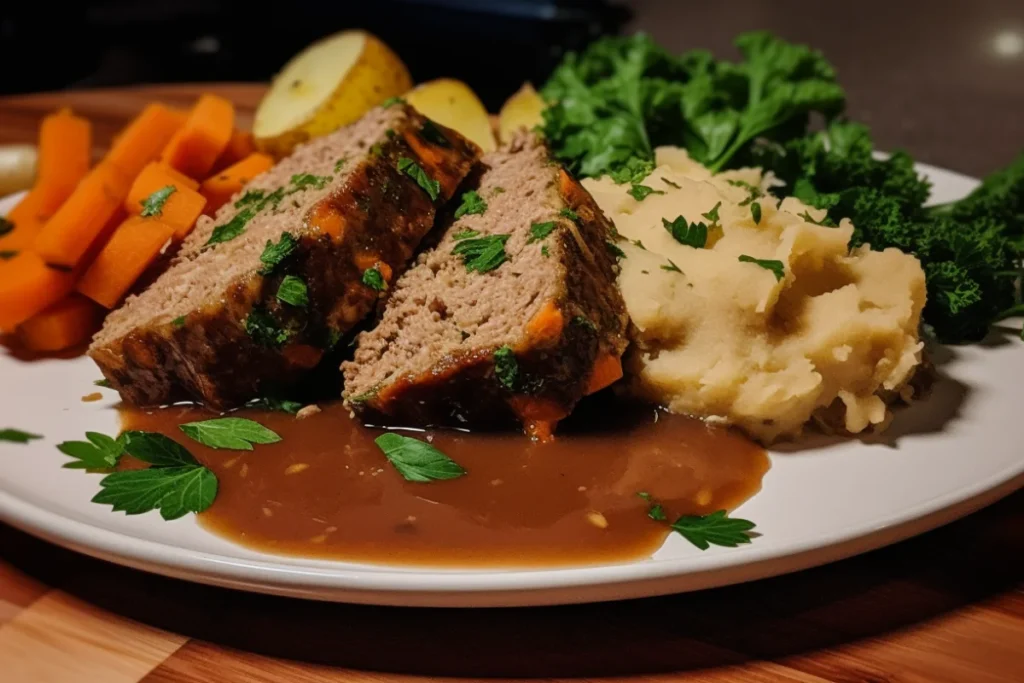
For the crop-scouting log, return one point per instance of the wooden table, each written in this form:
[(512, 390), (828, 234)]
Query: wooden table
[(947, 606)]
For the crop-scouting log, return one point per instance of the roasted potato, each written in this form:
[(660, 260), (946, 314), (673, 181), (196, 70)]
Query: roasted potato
[(522, 110), (454, 104)]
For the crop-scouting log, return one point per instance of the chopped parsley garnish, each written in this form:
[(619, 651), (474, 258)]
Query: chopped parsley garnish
[(7, 254), (6, 226), (17, 436), (614, 249), (417, 460), (584, 321), (293, 291), (755, 212), (638, 243), (280, 405), (373, 279), (234, 433), (544, 251), (179, 321), (654, 510), (640, 192), (431, 133), (712, 215), (691, 234), (274, 253), (153, 205), (301, 181), (340, 164), (390, 133), (777, 267), (392, 101), (376, 150), (250, 197), (465, 234), (566, 212), (539, 231), (482, 254), (497, 190), (264, 330), (717, 528), (506, 369), (472, 203), (414, 171), (234, 227), (754, 191), (100, 452), (105, 383), (671, 267), (671, 184), (825, 222)]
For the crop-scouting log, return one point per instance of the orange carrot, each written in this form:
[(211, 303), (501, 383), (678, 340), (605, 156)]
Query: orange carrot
[(538, 415), (144, 138), (65, 148), (28, 286), (328, 220), (24, 221), (179, 209), (218, 189), (203, 138), (607, 370), (180, 179), (546, 324), (67, 236), (69, 322), (131, 250), (239, 147)]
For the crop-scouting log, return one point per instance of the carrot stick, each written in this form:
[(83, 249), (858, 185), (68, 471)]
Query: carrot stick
[(28, 286), (131, 250), (24, 220), (65, 148), (67, 236), (69, 322), (607, 371), (218, 189), (239, 147), (178, 207), (194, 149), (143, 139), (180, 179)]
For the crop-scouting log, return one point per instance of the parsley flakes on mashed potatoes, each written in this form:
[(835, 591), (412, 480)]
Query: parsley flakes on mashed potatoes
[(774, 319)]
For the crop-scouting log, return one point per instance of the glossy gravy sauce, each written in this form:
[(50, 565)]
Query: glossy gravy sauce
[(327, 491)]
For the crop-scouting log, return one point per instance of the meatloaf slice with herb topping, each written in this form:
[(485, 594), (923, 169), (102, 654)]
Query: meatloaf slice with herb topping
[(257, 294), (514, 315)]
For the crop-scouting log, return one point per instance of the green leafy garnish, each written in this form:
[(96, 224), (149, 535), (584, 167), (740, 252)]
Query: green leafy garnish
[(717, 528), (276, 252), (472, 203), (506, 369), (302, 181), (778, 268), (340, 164), (655, 510), (671, 267), (376, 150), (431, 133), (825, 222), (392, 101), (417, 460), (615, 250), (691, 234), (6, 226), (179, 321), (17, 436), (414, 171), (153, 205), (671, 184), (465, 234), (753, 191), (585, 322), (293, 291), (373, 279), (234, 227), (539, 231), (100, 452), (156, 449), (482, 254), (640, 192), (712, 215), (544, 251), (566, 212), (755, 212), (264, 330), (250, 197), (276, 404), (235, 433), (105, 383)]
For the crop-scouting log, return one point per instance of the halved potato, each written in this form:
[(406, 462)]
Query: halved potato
[(331, 83), (17, 168), (454, 104), (522, 110)]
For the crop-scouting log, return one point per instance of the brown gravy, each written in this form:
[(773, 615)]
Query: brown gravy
[(327, 491)]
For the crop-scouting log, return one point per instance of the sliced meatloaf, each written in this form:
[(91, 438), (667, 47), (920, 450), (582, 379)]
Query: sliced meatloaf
[(258, 293), (514, 315)]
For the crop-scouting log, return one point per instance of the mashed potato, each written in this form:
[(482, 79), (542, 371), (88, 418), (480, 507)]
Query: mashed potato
[(726, 339)]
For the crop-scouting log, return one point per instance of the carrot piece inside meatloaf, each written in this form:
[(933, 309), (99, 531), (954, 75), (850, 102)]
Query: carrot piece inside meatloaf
[(258, 293), (514, 315)]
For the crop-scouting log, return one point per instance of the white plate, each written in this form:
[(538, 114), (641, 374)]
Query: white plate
[(952, 454)]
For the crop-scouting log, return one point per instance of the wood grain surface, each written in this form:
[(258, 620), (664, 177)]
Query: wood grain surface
[(947, 606)]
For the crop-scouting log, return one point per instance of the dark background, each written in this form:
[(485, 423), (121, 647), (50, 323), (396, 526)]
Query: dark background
[(943, 79)]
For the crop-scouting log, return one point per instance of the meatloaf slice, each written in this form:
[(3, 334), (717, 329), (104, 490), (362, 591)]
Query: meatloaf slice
[(514, 315), (257, 294)]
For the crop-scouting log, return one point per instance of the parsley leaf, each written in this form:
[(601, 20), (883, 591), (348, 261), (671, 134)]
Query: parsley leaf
[(716, 528), (340, 164), (264, 330), (250, 197), (585, 322), (392, 101), (755, 212), (100, 452), (506, 369), (235, 433), (414, 171), (465, 234), (274, 253), (175, 491), (373, 279), (566, 212), (417, 460), (825, 222), (153, 205), (17, 436), (691, 234), (277, 404), (712, 215), (640, 192), (778, 268), (234, 227), (539, 231), (472, 203), (654, 509), (754, 192), (544, 251), (671, 184), (671, 267), (179, 321), (302, 181), (482, 254), (615, 250), (432, 133), (293, 291), (105, 383), (156, 449)]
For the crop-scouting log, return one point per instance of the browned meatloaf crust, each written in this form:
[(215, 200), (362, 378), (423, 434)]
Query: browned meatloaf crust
[(520, 342), (219, 327)]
